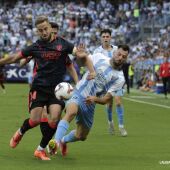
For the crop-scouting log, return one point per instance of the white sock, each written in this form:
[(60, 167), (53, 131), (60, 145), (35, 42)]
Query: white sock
[(110, 122), (121, 126), (20, 131), (39, 148)]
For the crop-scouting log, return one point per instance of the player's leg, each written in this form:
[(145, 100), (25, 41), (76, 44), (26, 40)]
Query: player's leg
[(110, 116), (44, 121), (120, 114), (79, 134), (48, 129), (33, 121), (35, 107), (63, 126), (164, 80)]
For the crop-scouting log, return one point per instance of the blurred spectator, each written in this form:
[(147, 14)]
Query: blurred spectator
[(131, 75), (2, 77), (165, 74)]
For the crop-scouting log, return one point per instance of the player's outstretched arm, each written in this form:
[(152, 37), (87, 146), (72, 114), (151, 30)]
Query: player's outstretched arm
[(24, 61), (72, 71), (11, 59), (98, 100), (81, 54)]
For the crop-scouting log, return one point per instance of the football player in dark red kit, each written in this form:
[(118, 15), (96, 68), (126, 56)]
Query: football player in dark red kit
[(50, 53)]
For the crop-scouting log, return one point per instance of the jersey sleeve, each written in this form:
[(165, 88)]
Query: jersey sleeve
[(96, 57), (69, 47), (27, 52), (68, 61)]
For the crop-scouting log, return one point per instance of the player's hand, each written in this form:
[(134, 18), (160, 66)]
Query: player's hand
[(81, 51), (81, 48), (91, 76), (90, 100)]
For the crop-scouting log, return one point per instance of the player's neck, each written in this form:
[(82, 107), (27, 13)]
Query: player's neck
[(53, 37), (107, 47)]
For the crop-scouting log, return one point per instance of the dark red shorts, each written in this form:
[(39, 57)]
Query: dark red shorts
[(43, 96)]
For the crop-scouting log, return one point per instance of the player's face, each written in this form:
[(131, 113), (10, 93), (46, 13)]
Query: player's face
[(44, 30), (54, 30), (105, 39), (120, 57)]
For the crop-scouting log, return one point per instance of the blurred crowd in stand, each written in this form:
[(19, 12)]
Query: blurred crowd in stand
[(81, 22)]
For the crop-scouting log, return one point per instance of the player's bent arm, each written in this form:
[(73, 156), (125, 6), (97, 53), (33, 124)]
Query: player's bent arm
[(24, 61), (11, 59), (99, 100), (73, 73), (81, 54)]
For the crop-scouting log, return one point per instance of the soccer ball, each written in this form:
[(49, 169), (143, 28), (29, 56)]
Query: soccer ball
[(63, 91)]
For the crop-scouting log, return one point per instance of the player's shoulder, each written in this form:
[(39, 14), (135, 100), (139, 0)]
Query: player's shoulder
[(61, 39), (114, 47), (98, 49), (98, 55)]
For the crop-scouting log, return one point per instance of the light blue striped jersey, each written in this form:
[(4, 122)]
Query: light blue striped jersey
[(107, 53), (107, 79)]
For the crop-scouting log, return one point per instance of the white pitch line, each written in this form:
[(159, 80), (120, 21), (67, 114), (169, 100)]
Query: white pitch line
[(142, 97), (153, 104)]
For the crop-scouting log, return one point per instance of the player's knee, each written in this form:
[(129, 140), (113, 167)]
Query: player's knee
[(54, 117), (69, 116), (118, 104), (109, 105), (81, 137)]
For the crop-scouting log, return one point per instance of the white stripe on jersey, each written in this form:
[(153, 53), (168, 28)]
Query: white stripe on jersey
[(106, 80), (107, 53)]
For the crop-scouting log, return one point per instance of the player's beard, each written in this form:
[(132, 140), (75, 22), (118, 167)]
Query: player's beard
[(48, 39), (115, 65)]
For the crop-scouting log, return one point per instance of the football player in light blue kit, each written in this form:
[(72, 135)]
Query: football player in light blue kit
[(109, 79), (107, 49)]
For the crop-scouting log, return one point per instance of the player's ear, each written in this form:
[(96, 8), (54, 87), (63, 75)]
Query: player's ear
[(36, 31), (49, 26)]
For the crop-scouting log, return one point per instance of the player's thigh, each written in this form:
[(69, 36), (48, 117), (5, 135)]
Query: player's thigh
[(55, 112), (35, 113), (82, 131), (118, 100), (71, 111)]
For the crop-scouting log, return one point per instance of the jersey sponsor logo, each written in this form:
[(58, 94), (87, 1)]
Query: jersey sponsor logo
[(51, 55), (59, 47), (100, 78)]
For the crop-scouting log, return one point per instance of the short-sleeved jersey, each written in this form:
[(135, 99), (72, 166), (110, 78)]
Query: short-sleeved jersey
[(107, 53), (107, 80), (51, 59)]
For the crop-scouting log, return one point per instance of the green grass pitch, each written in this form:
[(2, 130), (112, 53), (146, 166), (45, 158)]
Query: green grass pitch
[(147, 144)]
